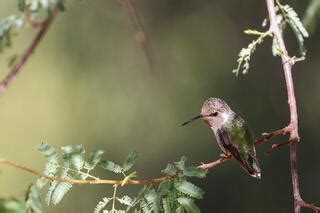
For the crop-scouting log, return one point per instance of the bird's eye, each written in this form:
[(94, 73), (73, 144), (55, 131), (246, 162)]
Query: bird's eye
[(214, 114)]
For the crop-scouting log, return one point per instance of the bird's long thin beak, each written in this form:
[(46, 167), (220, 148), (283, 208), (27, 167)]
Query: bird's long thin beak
[(192, 119)]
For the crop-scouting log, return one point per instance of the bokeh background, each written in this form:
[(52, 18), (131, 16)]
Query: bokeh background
[(88, 83)]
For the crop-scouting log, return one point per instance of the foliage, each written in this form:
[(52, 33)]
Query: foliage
[(285, 16), (173, 193), (12, 25), (32, 203)]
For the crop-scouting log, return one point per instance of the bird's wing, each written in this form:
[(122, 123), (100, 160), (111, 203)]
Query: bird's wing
[(225, 141), (238, 141)]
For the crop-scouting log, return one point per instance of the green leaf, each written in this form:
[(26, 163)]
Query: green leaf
[(130, 160), (94, 159), (244, 55), (189, 189), (125, 200), (66, 152), (102, 204), (51, 189), (21, 5), (33, 200), (51, 167), (188, 204), (11, 205), (77, 157), (61, 189), (153, 201), (61, 6), (291, 17), (139, 198), (195, 172), (110, 166), (181, 164), (48, 151), (170, 170)]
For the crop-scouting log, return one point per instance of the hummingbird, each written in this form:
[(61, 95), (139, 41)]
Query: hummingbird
[(232, 134)]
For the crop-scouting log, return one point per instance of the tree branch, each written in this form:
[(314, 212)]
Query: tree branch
[(30, 49), (294, 134), (140, 34), (94, 181)]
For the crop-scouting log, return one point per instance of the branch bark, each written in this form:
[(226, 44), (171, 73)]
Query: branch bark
[(294, 134), (28, 52)]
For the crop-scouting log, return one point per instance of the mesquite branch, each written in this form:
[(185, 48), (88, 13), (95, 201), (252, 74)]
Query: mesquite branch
[(294, 134), (95, 180), (43, 28)]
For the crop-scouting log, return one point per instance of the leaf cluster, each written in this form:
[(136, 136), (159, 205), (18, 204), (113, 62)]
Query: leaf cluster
[(71, 165), (285, 16), (176, 195)]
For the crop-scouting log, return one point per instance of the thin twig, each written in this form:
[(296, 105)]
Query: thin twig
[(279, 145), (28, 52), (100, 181), (140, 34), (294, 134)]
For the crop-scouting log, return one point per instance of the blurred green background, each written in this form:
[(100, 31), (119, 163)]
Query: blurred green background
[(88, 83)]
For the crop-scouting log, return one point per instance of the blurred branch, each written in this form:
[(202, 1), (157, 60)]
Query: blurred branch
[(30, 49), (140, 34), (294, 134)]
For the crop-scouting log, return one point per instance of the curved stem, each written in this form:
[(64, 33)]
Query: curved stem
[(28, 52)]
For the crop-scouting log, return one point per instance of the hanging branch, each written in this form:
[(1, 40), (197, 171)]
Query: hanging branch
[(140, 34), (30, 49), (294, 134)]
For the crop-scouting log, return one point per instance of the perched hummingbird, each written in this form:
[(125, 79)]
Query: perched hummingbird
[(232, 134)]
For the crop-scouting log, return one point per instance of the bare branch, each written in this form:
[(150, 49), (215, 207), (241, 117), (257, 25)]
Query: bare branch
[(294, 134)]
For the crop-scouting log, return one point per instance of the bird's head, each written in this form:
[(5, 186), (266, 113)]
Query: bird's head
[(214, 112)]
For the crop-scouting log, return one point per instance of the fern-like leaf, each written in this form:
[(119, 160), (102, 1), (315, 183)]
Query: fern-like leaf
[(188, 204), (189, 189), (292, 18), (33, 200), (170, 170), (130, 160), (102, 204), (77, 157), (110, 166), (94, 159), (51, 166), (125, 200), (153, 201), (61, 189)]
